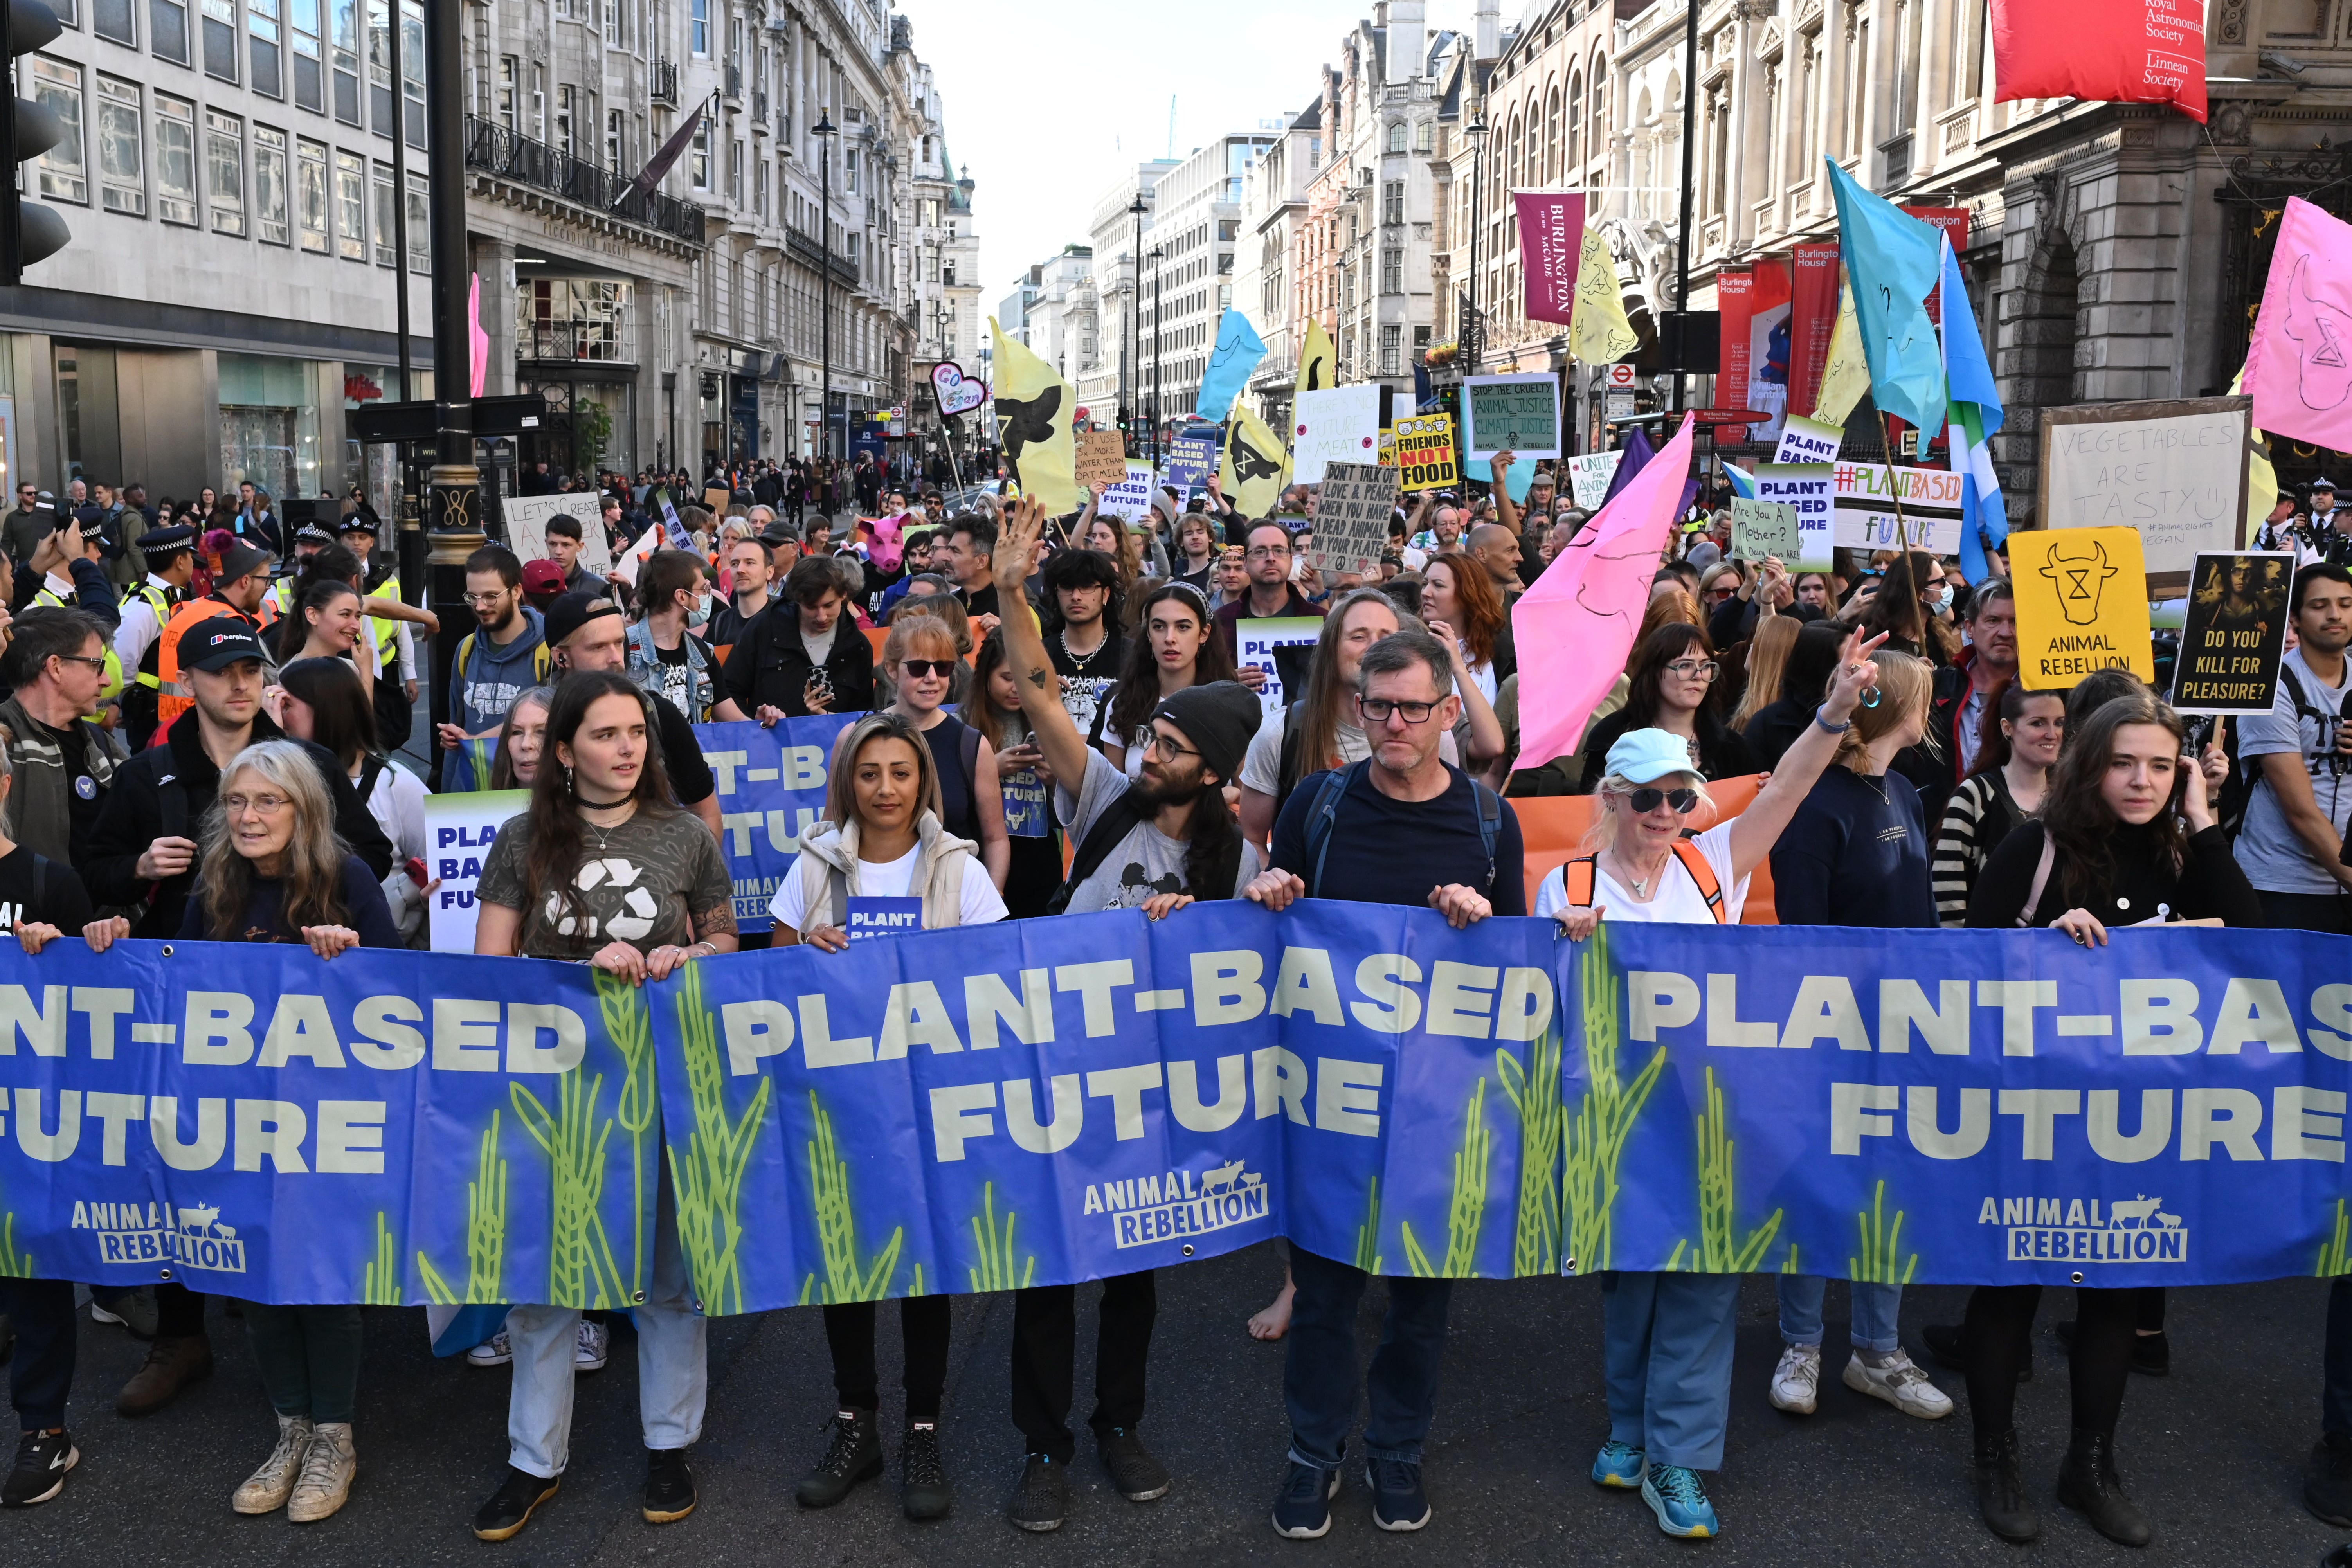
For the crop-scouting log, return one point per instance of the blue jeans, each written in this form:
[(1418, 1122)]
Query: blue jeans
[(1318, 1374), (1667, 1354), (1877, 1310)]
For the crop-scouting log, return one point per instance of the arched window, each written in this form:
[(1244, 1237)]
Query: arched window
[(1552, 147), (1514, 168), (1397, 134), (1576, 125), (1596, 122)]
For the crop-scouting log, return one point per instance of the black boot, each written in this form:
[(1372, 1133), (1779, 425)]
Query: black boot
[(2327, 1491), (2001, 1489), (2087, 1483), (1947, 1347), (855, 1454)]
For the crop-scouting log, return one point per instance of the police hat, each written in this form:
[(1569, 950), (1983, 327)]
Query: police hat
[(362, 520), (162, 541), (311, 533)]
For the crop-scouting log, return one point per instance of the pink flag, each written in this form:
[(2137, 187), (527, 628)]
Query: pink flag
[(1575, 628), (1551, 246), (2299, 365), (476, 340)]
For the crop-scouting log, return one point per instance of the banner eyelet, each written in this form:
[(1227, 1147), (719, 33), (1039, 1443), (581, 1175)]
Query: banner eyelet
[(1188, 1249), (639, 1299), (167, 950), (163, 1274), (2077, 1277)]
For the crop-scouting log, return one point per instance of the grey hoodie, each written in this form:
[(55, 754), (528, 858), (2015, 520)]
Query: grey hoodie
[(486, 682)]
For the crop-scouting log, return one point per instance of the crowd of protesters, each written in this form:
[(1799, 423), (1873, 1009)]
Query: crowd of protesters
[(1051, 715)]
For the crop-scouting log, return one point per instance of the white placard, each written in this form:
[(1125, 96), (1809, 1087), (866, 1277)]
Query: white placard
[(1255, 640), (527, 527), (1866, 516), (1339, 426), (459, 832), (1129, 500), (1588, 475), (1808, 441), (1517, 414), (2177, 478)]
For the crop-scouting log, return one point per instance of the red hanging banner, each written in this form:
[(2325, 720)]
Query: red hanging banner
[(2109, 51), (1734, 300), (1812, 319), (1551, 246)]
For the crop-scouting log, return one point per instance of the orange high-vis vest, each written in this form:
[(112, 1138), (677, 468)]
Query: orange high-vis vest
[(172, 695), (1577, 879)]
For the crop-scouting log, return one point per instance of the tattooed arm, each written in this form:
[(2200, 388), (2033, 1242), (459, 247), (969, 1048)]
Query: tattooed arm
[(1024, 650)]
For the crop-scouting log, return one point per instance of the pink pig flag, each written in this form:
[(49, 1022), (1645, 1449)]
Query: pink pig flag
[(2299, 365), (476, 340), (1575, 628)]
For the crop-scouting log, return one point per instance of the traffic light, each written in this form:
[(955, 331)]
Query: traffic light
[(29, 232)]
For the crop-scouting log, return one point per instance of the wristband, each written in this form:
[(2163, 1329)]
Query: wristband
[(1833, 728)]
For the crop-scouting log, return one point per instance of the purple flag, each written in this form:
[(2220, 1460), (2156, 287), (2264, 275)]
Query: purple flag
[(659, 165)]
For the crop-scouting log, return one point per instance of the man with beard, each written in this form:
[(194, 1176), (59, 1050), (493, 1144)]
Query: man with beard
[(1154, 843), (503, 657)]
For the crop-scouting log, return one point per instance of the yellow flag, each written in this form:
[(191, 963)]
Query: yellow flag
[(2261, 493), (1318, 367), (1846, 376), (1034, 409), (1256, 462), (1598, 333)]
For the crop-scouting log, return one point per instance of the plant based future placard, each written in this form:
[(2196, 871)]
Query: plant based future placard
[(1351, 516), (1425, 451), (1517, 414), (2235, 634), (1804, 441), (1810, 488), (2082, 605)]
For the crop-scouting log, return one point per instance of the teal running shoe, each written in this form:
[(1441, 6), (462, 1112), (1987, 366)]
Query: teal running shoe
[(1617, 1464), (1678, 1499)]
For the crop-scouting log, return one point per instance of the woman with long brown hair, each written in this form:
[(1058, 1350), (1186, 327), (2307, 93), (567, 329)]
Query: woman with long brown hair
[(2127, 836), (1670, 685), (2006, 786), (1767, 659), (991, 707), (1175, 646), (1901, 609), (602, 867), (1462, 594)]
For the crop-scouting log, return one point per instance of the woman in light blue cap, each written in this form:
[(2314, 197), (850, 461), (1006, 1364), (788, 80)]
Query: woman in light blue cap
[(1668, 1337)]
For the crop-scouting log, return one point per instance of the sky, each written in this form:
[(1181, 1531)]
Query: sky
[(1045, 109)]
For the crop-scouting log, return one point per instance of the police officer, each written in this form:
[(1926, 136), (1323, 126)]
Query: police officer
[(309, 539), (75, 578), (395, 649), (147, 606)]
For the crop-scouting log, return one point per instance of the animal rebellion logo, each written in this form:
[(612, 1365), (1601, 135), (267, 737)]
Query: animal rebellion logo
[(145, 1234), (2079, 569), (1250, 465), (2132, 1230), (1023, 421), (1174, 1205)]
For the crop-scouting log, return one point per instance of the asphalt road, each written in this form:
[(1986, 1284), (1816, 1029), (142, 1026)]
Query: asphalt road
[(2214, 1452)]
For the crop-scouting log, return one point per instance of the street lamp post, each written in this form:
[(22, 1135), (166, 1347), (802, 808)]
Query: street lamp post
[(1683, 244), (826, 131), (455, 486), (1472, 339), (1134, 355), (1157, 255)]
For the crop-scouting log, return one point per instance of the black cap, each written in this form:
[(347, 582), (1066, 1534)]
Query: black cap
[(570, 613), (239, 561), (217, 643), (164, 539), (776, 535)]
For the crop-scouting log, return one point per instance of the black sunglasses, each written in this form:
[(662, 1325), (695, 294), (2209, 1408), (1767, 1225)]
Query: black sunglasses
[(1645, 801), (920, 668)]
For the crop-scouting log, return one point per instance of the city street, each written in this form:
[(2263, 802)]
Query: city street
[(2214, 1452)]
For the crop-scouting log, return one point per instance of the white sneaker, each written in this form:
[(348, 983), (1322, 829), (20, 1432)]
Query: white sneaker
[(589, 1350), (1797, 1380), (496, 1351), (1900, 1383)]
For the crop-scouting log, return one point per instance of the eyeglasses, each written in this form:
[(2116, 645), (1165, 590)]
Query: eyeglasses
[(1156, 744), (1645, 801), (1378, 708), (1266, 552), (98, 664), (920, 668), (484, 601), (1719, 595), (260, 805), (1692, 669)]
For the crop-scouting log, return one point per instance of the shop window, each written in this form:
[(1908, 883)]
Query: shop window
[(65, 175), (121, 148), (311, 199), (175, 160), (220, 39), (351, 206), (270, 187)]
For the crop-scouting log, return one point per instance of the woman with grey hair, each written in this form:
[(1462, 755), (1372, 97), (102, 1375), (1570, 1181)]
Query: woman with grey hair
[(274, 872)]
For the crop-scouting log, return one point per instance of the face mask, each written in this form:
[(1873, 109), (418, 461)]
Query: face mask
[(1938, 598), (699, 615)]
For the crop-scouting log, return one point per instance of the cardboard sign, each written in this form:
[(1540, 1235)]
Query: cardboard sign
[(1517, 414), (1867, 503), (870, 917), (2176, 472), (1807, 440), (1425, 448), (2082, 605), (2235, 634), (1340, 426), (459, 832), (526, 518), (1129, 498), (1590, 476), (717, 500), (1764, 528), (1255, 640), (1102, 457), (1811, 491), (1192, 459), (1351, 516)]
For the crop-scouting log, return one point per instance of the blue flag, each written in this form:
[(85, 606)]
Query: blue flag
[(1239, 348), (1893, 260), (1977, 415)]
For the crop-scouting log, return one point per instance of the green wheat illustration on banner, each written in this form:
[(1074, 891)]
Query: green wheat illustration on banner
[(1368, 1235), (1880, 1245), (579, 1266), (14, 1264), (485, 1232), (708, 1180), (1534, 1093), (1719, 1250), (995, 1272), (1468, 1210), (2333, 1252), (631, 1030), (380, 1285), (1594, 1138), (836, 1226)]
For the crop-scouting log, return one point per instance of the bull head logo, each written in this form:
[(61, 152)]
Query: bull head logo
[(2079, 570)]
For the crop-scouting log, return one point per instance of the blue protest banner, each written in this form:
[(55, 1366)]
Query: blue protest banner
[(1192, 459), (386, 1128), (771, 787)]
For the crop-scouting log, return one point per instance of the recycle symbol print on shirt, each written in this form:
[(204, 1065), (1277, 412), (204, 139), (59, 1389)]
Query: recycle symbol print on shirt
[(639, 906)]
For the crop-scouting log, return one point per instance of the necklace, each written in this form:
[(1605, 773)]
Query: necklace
[(1876, 788), (1080, 660), (1641, 885)]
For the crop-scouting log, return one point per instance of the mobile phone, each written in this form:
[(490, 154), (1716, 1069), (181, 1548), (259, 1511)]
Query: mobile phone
[(417, 871)]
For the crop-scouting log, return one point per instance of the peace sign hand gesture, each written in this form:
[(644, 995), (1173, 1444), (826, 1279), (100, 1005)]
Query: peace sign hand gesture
[(1856, 676)]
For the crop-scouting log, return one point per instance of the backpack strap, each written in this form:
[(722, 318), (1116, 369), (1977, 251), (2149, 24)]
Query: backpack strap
[(1323, 816), (1577, 879), (1119, 819), (1289, 770), (1490, 826), (1703, 873), (172, 807), (2041, 881), (968, 746)]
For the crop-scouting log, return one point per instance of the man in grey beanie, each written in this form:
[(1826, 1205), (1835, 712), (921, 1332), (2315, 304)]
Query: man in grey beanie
[(1154, 843)]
